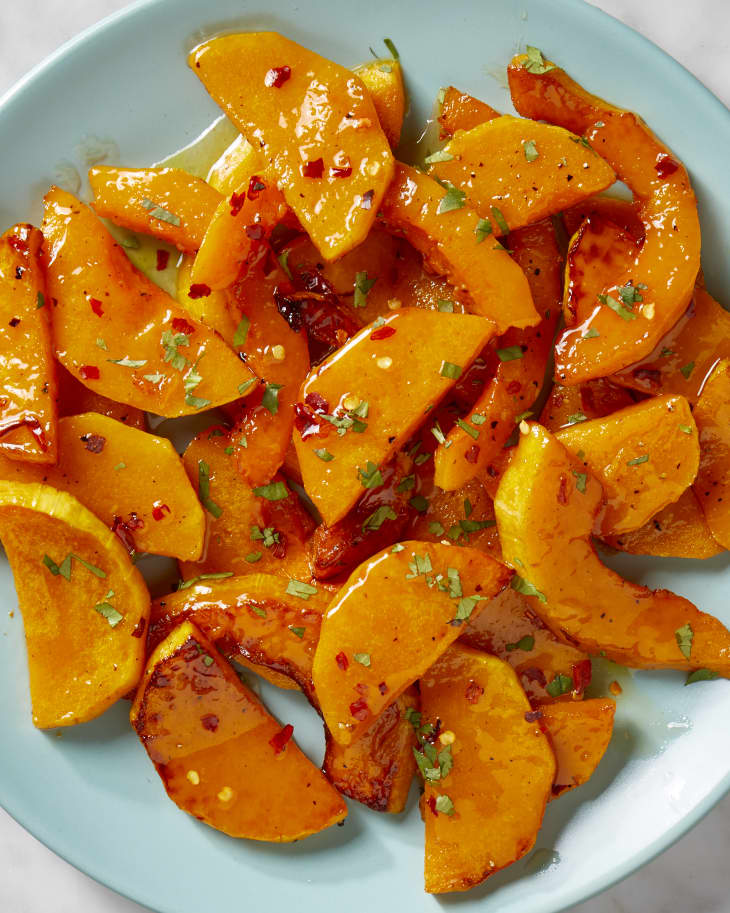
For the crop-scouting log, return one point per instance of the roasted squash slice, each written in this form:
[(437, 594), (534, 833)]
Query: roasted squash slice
[(383, 79), (712, 487), (460, 111), (579, 733)]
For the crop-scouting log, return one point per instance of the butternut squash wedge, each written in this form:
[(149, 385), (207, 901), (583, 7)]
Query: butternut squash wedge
[(84, 604), (712, 414), (545, 521), (390, 621), (119, 333), (383, 79), (597, 398), (235, 166), (460, 111), (485, 812), (221, 756), (27, 369), (329, 154), (579, 734), (75, 399), (647, 295)]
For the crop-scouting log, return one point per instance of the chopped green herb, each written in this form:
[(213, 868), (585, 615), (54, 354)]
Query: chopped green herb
[(477, 419), (483, 230), (580, 481), (171, 342), (419, 566), (229, 450), (422, 458), (397, 548), (530, 148), (186, 584), (362, 287), (274, 491), (362, 658), (445, 306), (616, 306), (701, 675), (269, 536), (101, 343), (300, 589), (204, 489), (323, 454), (591, 333), (665, 353), (283, 259), (208, 660), (535, 62), (577, 417), (441, 155), (297, 632), (444, 805), (561, 684), (378, 517), (419, 503), (128, 362), (466, 606), (64, 569), (406, 484), (686, 429), (196, 402), (159, 212), (253, 557), (511, 353), (687, 370), (239, 337), (258, 610), (154, 378), (270, 399), (472, 432), (435, 528), (522, 416), (450, 370), (121, 465), (500, 220), (370, 476), (40, 301), (246, 385), (526, 588), (685, 636), (637, 461), (629, 293), (524, 643), (453, 199), (438, 433), (107, 610)]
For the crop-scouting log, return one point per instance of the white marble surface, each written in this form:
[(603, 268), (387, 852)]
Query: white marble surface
[(691, 876)]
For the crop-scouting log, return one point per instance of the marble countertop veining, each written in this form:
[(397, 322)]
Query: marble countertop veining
[(691, 876)]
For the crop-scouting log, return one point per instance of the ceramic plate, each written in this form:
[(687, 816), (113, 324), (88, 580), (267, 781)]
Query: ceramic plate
[(90, 793)]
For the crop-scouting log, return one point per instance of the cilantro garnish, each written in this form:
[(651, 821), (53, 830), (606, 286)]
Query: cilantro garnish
[(40, 301), (637, 461), (406, 484), (526, 588), (629, 293), (193, 581), (435, 528), (64, 568), (370, 477), (441, 155), (686, 428), (171, 342), (270, 399), (687, 370), (561, 684), (701, 675), (685, 636), (483, 230), (300, 589), (107, 610), (239, 337), (580, 481), (450, 370), (283, 259), (453, 199), (362, 658), (378, 517), (500, 220), (510, 353), (274, 491), (444, 805), (419, 503), (530, 150), (445, 306), (591, 333), (253, 557), (297, 632), (323, 454), (524, 643), (577, 417), (159, 212), (362, 287), (616, 306), (472, 432), (246, 385), (204, 490), (535, 62), (268, 535), (128, 362)]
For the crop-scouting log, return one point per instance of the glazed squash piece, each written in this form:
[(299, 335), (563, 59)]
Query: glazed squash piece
[(119, 333), (252, 619), (647, 294), (624, 214), (27, 368), (390, 621), (712, 487), (377, 769), (362, 404), (644, 456), (210, 309), (593, 399), (521, 171), (165, 202), (684, 358), (548, 668), (460, 111), (680, 530), (579, 734), (545, 516), (486, 807), (460, 244), (221, 756), (75, 399), (329, 155), (383, 78), (522, 359), (84, 604), (134, 482), (263, 529), (235, 167)]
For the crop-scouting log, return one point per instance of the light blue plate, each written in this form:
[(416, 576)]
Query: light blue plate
[(91, 794)]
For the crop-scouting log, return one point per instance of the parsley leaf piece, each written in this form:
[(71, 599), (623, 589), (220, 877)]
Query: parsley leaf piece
[(196, 402), (159, 212), (154, 378), (204, 490), (445, 306), (453, 199), (246, 385), (128, 362), (444, 805), (274, 491), (580, 481), (577, 417), (466, 606), (171, 342), (685, 636), (477, 419), (419, 503), (524, 643), (101, 343), (511, 353), (362, 287), (397, 548), (686, 370), (637, 461), (297, 632), (686, 429), (530, 149), (450, 370), (441, 155), (283, 259), (630, 294), (616, 306), (193, 581), (455, 590), (270, 399), (535, 62), (300, 589), (107, 610), (378, 517), (362, 658), (472, 432), (253, 557), (323, 454), (483, 230), (370, 477), (40, 301), (591, 333), (561, 684), (500, 220), (435, 528), (406, 484), (526, 588), (239, 337), (701, 675)]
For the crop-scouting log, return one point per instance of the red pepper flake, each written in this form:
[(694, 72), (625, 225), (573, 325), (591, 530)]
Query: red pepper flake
[(278, 742), (431, 803), (362, 688), (514, 386), (382, 333), (276, 77), (94, 442), (313, 169), (209, 722), (581, 672), (180, 325), (367, 199), (473, 692), (532, 715), (563, 490), (665, 165), (139, 627), (342, 661), (158, 510), (341, 172), (14, 322), (383, 688), (359, 709), (237, 201), (123, 532), (96, 306), (18, 244), (472, 454), (163, 257), (255, 186), (255, 232), (89, 372), (199, 290), (317, 402)]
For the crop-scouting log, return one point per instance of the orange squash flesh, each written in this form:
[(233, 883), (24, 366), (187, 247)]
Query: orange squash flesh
[(221, 756), (109, 312), (74, 399), (508, 627), (502, 774), (579, 734), (386, 626), (522, 358), (594, 399), (384, 81), (317, 127), (251, 619), (27, 368), (680, 530), (377, 769), (399, 369), (235, 167), (131, 480), (667, 262), (240, 517), (684, 358), (644, 456), (500, 163), (624, 214), (167, 203), (712, 487), (460, 111), (545, 523), (461, 245), (84, 604)]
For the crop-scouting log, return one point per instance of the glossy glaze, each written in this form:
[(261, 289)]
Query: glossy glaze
[(712, 485), (579, 734), (383, 78), (460, 111)]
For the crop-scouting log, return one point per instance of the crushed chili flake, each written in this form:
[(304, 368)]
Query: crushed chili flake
[(255, 232), (383, 688), (431, 803), (277, 76), (665, 165), (199, 290), (341, 172), (472, 454), (532, 715), (94, 442), (382, 333), (313, 169), (278, 742), (255, 186), (18, 244), (473, 692), (514, 386), (581, 675), (139, 627), (563, 490), (237, 201), (158, 510), (342, 661), (96, 306), (367, 199), (123, 531), (210, 722), (14, 322), (163, 258), (359, 709), (180, 325), (89, 372), (317, 402)]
